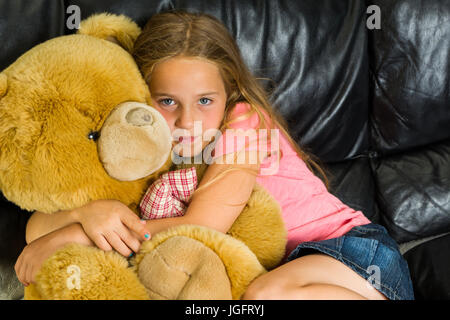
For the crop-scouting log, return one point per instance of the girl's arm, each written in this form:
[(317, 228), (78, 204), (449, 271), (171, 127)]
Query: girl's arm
[(109, 224), (41, 223), (36, 252), (218, 205)]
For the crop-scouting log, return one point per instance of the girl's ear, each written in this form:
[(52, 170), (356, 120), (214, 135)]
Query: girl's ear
[(116, 28), (3, 84)]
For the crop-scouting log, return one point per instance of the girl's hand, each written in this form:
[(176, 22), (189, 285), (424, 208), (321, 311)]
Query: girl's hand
[(112, 225), (36, 252)]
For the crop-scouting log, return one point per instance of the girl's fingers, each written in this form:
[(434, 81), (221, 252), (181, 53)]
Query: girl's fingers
[(102, 243), (136, 225), (117, 244), (30, 274), (19, 268), (130, 240), (23, 275)]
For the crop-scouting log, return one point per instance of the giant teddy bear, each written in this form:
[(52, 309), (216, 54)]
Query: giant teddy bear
[(75, 126)]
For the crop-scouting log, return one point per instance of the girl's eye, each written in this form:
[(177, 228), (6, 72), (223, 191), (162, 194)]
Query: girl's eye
[(204, 101), (167, 102)]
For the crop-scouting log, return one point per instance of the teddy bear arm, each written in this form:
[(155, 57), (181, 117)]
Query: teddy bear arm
[(260, 226)]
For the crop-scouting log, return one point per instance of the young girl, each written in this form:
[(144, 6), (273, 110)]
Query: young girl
[(196, 76)]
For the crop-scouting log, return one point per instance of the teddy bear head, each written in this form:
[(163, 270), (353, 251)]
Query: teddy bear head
[(75, 121)]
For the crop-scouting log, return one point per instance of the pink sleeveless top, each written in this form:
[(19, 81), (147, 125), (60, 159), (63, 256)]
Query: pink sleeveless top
[(309, 211)]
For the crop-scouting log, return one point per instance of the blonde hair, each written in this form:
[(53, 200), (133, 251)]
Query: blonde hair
[(177, 33)]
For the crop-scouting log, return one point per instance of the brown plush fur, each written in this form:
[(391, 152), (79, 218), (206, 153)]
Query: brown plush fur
[(241, 264), (47, 162), (51, 99), (120, 29), (184, 268), (103, 276), (3, 84)]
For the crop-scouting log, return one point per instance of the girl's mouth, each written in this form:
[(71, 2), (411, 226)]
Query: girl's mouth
[(188, 139)]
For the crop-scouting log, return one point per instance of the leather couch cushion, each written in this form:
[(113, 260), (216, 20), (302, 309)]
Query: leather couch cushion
[(24, 24), (410, 117), (410, 67), (413, 192), (352, 182), (429, 264)]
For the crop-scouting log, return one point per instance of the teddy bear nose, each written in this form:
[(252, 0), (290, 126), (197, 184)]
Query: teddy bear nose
[(139, 117)]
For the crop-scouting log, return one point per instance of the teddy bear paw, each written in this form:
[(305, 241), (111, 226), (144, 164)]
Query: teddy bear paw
[(184, 269)]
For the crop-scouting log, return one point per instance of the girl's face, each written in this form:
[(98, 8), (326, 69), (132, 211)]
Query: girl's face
[(186, 90)]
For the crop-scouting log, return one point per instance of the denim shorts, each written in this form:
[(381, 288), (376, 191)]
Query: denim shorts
[(370, 252)]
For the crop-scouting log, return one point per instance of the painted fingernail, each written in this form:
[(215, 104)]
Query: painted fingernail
[(131, 254), (147, 236)]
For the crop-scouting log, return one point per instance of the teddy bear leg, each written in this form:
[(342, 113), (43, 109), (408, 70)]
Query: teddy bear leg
[(77, 272), (183, 268)]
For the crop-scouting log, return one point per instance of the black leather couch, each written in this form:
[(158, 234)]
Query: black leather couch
[(372, 104)]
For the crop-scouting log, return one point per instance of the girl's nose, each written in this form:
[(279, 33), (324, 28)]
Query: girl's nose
[(185, 120)]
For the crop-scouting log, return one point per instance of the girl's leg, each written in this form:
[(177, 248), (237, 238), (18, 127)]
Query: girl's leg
[(315, 276)]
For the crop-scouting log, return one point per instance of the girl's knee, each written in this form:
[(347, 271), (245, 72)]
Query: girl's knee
[(264, 288), (255, 291)]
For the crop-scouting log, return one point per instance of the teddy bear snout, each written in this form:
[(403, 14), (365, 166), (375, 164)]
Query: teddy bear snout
[(139, 117), (135, 141)]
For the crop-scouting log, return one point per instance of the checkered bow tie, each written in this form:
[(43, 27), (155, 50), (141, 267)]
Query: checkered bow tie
[(169, 195)]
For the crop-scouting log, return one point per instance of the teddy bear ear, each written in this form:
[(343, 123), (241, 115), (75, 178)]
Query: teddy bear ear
[(3, 84), (116, 28)]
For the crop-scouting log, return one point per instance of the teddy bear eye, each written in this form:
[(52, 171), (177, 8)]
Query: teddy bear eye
[(93, 135)]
